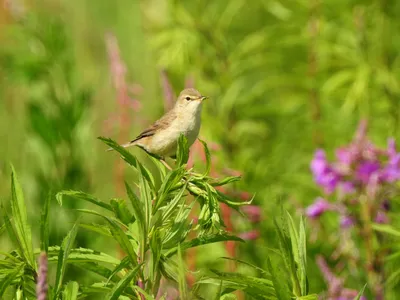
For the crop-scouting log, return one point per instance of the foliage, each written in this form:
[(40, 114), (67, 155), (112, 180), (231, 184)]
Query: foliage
[(151, 232)]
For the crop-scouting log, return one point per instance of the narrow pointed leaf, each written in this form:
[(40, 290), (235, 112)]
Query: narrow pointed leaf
[(358, 297), (44, 225), (63, 254), (182, 153), (130, 159), (20, 220), (119, 287), (82, 196), (71, 291), (10, 277), (208, 157), (209, 239)]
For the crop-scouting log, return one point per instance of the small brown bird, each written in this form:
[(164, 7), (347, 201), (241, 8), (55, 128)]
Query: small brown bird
[(161, 138)]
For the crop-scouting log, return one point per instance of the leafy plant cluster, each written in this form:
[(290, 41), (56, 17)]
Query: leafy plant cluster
[(153, 229)]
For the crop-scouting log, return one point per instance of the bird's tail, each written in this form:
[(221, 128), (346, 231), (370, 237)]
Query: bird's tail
[(124, 146)]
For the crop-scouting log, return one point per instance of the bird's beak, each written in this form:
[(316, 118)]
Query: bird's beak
[(203, 98)]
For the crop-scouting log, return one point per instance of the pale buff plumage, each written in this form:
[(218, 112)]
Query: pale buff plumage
[(185, 118)]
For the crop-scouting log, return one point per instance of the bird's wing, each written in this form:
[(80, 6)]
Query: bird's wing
[(163, 122)]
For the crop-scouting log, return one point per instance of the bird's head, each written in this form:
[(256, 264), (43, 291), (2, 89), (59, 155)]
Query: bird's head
[(190, 100)]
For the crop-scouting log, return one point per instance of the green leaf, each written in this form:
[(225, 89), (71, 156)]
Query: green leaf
[(80, 255), (358, 297), (170, 182), (44, 225), (183, 292), (257, 285), (308, 297), (209, 239), (22, 229), (226, 181), (71, 291), (385, 228), (10, 229), (121, 211), (130, 159), (63, 254), (138, 211), (119, 288), (82, 196), (171, 207), (102, 229), (125, 262), (123, 240), (303, 258), (279, 280), (208, 157), (10, 277), (2, 227), (96, 268), (182, 153)]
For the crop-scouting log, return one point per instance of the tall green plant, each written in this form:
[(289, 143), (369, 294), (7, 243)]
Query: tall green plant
[(286, 275), (151, 227)]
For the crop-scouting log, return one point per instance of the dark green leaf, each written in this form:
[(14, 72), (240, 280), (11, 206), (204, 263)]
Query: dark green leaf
[(182, 153)]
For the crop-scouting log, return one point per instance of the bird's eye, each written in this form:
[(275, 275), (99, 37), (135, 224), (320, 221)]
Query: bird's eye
[(187, 98)]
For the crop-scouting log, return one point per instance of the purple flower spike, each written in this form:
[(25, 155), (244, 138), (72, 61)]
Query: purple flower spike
[(347, 187), (319, 162), (346, 221), (391, 151), (366, 169), (381, 218), (324, 174), (316, 209), (392, 171), (41, 286)]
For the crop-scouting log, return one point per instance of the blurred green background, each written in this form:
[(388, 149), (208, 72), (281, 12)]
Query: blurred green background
[(284, 78)]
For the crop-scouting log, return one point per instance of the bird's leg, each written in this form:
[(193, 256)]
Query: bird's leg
[(165, 163)]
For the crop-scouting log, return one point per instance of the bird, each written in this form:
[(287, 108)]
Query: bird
[(161, 138)]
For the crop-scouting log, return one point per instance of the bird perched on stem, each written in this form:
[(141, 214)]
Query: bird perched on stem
[(161, 138)]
